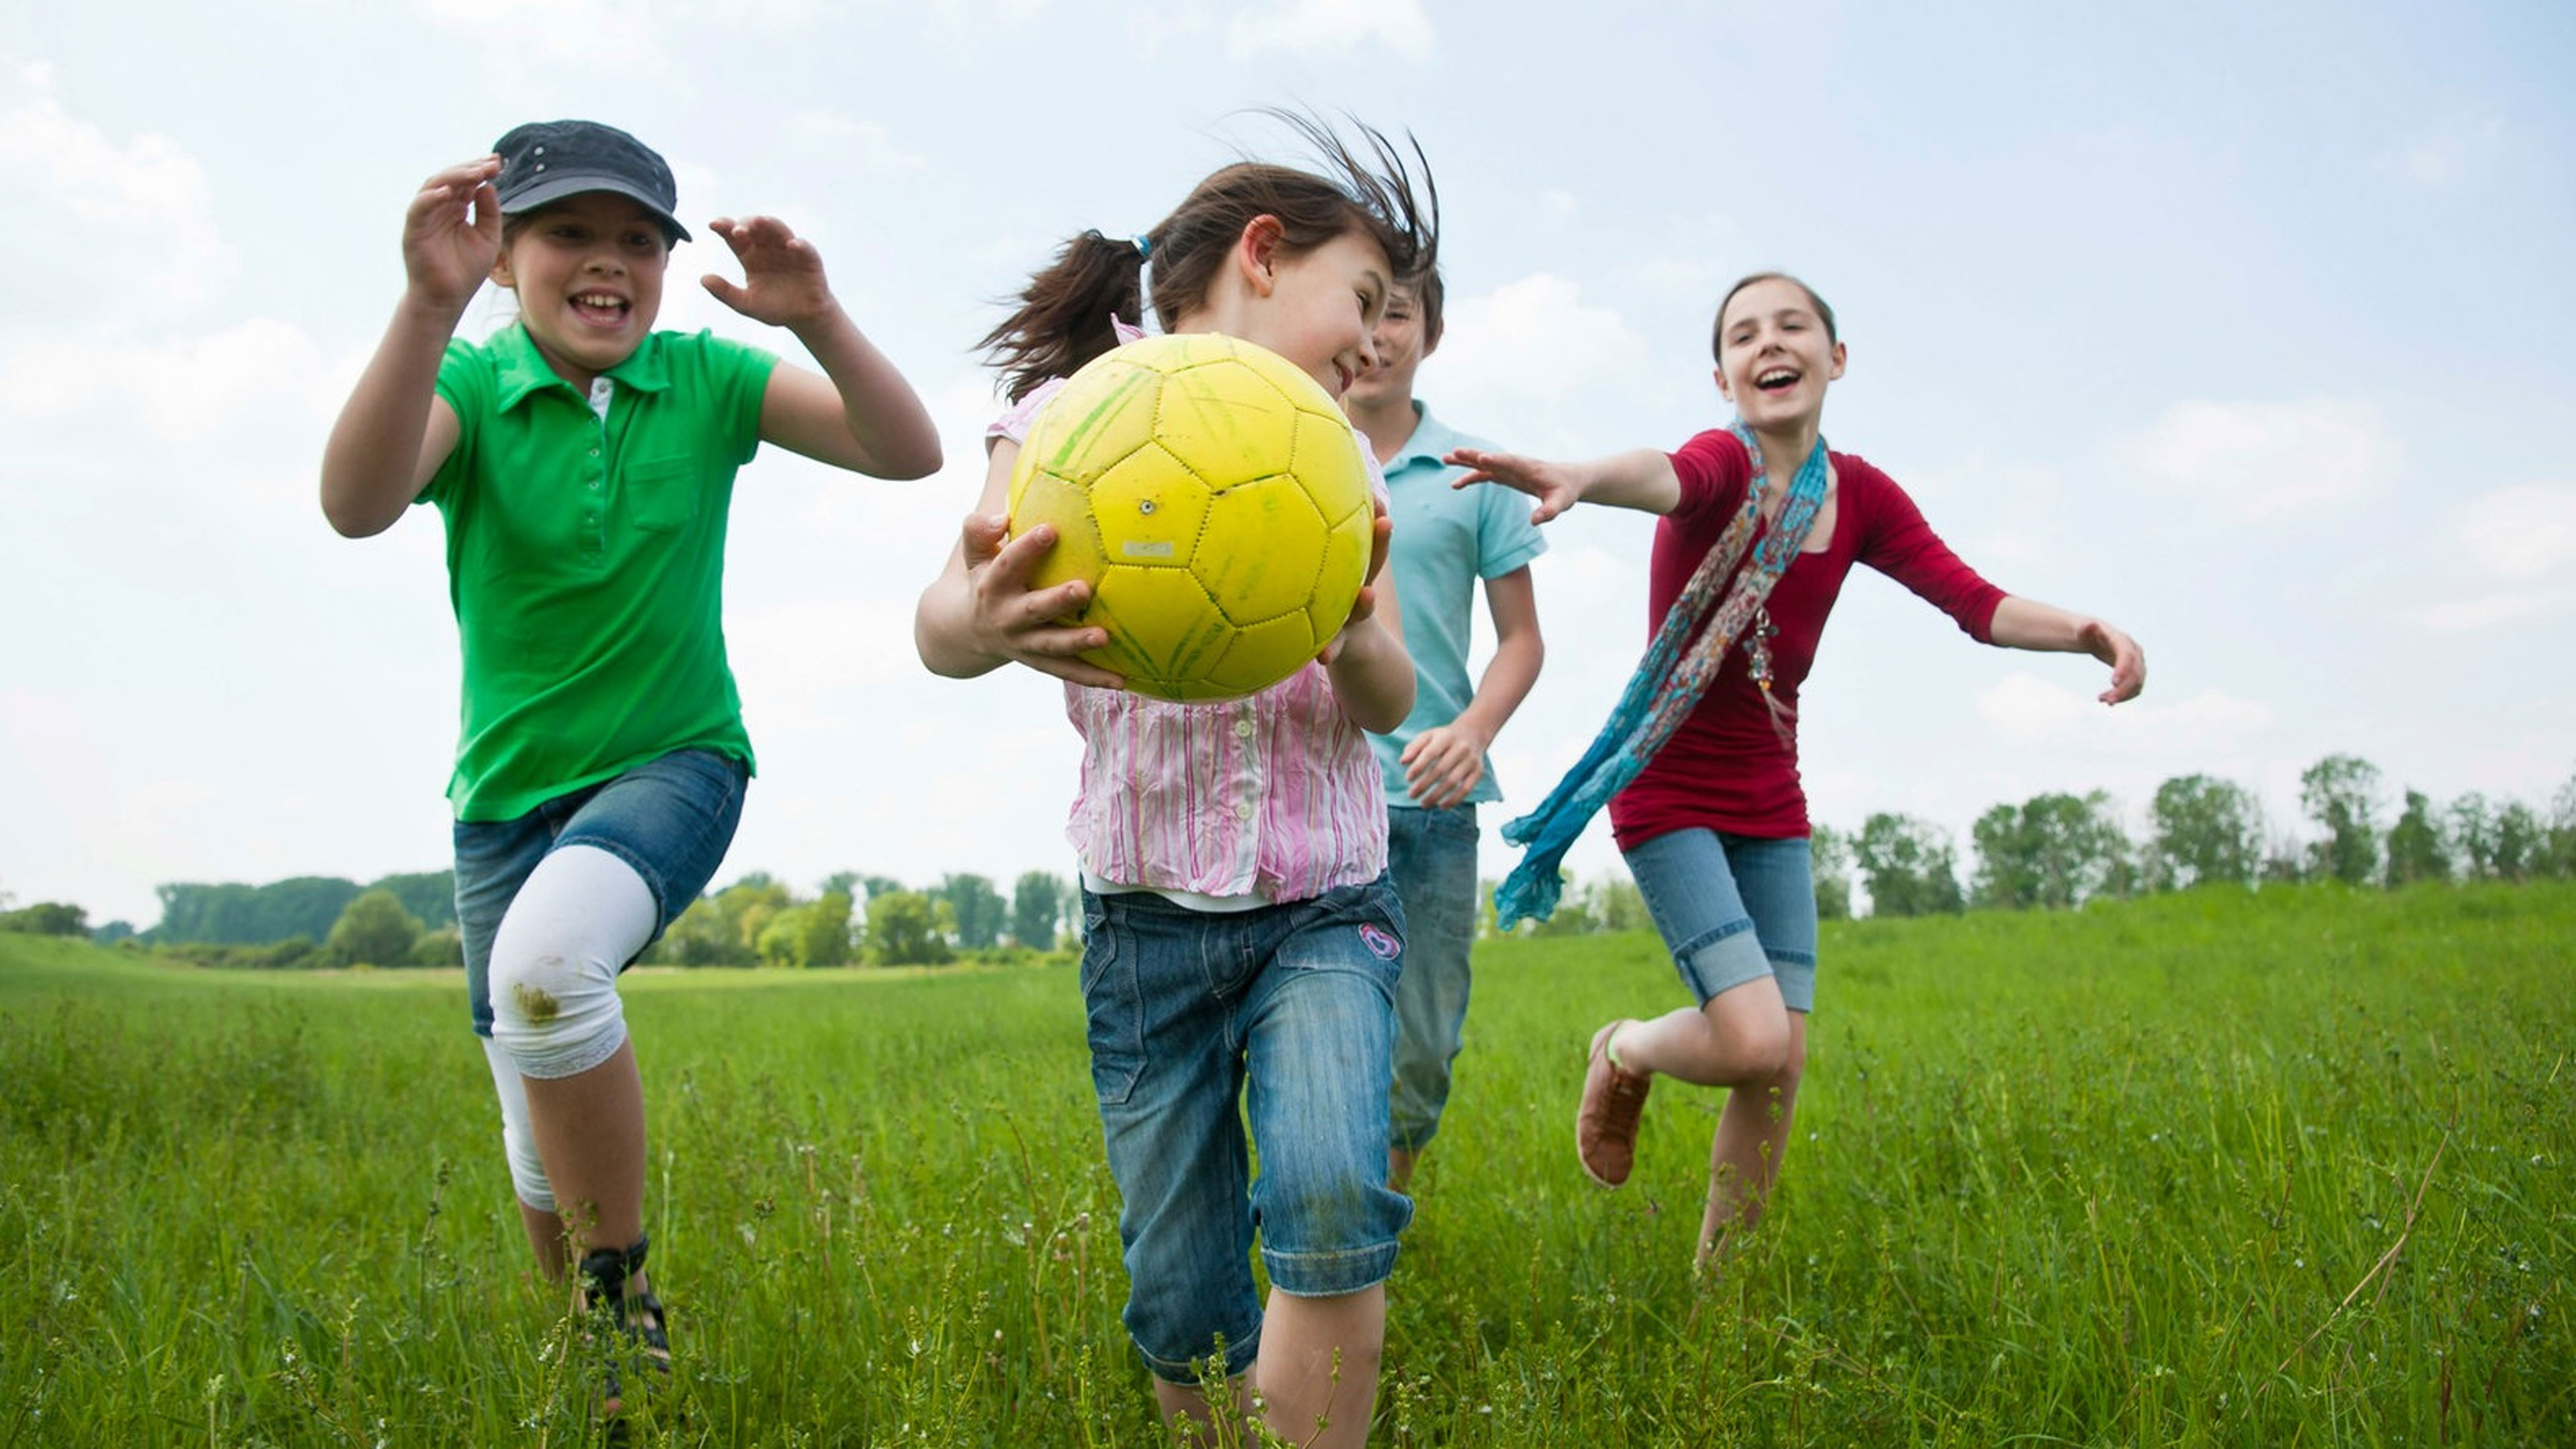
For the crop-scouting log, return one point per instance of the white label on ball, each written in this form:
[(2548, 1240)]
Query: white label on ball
[(1134, 548)]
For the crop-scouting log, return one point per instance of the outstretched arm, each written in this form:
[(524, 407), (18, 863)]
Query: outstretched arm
[(860, 414), (2021, 623), (394, 430), (1443, 764), (980, 613), (1642, 479)]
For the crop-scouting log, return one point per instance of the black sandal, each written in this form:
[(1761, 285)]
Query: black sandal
[(638, 1321)]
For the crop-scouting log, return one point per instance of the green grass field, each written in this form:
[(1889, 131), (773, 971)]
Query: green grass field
[(2205, 1169)]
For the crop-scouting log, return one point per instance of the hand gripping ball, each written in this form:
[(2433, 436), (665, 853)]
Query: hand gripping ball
[(1217, 502)]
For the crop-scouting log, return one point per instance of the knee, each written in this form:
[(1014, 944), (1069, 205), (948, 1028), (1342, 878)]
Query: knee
[(1793, 1061), (555, 1008), (1758, 1048)]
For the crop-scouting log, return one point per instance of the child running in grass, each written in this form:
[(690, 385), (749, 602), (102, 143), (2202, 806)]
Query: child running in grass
[(584, 464), (1240, 938), (1699, 763), (1446, 542)]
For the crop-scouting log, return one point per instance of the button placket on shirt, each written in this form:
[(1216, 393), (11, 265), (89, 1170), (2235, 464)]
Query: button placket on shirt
[(1243, 728), (603, 392)]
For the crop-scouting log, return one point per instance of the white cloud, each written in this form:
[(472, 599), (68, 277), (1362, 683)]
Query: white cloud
[(1534, 351), (1332, 27), (182, 388), (1690, 265), (2525, 532), (604, 36), (821, 663), (2493, 611), (2027, 709), (2461, 147), (124, 230), (1167, 25), (866, 147), (2264, 459)]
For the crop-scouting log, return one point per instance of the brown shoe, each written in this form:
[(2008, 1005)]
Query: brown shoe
[(1605, 1126)]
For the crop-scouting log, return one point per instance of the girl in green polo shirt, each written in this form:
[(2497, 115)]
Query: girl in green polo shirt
[(584, 464)]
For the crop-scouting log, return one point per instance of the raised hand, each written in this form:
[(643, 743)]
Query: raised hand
[(2128, 662), (452, 233), (783, 281), (1013, 621), (1551, 484)]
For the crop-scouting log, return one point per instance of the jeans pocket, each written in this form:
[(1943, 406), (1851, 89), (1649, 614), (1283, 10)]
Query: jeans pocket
[(1115, 1010), (1457, 824)]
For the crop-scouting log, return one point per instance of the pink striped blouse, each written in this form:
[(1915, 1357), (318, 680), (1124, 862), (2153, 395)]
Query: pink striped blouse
[(1275, 796)]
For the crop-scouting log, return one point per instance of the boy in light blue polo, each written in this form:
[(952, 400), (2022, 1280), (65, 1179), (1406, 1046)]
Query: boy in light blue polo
[(1436, 771)]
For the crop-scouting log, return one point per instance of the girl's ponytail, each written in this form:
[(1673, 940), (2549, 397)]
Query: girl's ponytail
[(1065, 317)]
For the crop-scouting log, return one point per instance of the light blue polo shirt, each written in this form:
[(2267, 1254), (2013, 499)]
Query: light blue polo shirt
[(1445, 539)]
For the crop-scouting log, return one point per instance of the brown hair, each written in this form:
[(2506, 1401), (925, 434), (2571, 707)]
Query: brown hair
[(1717, 329), (1063, 318), (1427, 297)]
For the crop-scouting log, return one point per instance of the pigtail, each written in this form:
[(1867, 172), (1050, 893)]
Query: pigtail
[(1067, 314)]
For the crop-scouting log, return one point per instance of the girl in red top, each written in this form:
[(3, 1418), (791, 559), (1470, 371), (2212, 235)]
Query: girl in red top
[(1714, 826)]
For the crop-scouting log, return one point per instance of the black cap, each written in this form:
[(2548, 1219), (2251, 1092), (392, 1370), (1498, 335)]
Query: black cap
[(545, 161)]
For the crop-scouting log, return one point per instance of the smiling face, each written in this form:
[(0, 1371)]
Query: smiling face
[(1775, 355), (1400, 345), (588, 270), (1320, 308)]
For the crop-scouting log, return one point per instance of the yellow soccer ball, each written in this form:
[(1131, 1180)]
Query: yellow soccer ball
[(1217, 502)]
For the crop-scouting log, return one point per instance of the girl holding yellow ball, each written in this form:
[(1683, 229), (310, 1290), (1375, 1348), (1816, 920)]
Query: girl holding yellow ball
[(1240, 939)]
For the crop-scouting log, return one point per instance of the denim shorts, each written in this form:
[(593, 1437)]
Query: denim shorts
[(1732, 908), (1202, 1021), (1431, 857), (670, 818)]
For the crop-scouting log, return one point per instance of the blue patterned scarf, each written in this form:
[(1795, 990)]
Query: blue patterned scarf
[(1668, 681)]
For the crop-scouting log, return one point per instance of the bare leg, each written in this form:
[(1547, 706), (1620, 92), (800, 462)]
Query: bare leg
[(590, 1132), (1752, 1134), (1746, 1040), (1184, 1404), (1319, 1362), (1399, 1168), (545, 1235), (1740, 1037)]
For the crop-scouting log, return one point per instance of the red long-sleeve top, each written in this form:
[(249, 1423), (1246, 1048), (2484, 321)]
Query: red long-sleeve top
[(1726, 768)]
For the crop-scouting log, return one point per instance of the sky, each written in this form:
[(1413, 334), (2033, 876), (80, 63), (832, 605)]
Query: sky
[(2248, 328)]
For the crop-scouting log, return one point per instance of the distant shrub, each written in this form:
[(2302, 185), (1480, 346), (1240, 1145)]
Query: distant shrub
[(47, 918)]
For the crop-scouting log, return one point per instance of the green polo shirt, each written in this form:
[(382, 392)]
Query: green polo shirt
[(585, 560)]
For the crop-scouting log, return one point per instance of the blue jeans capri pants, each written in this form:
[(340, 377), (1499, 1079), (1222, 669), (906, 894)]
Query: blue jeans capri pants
[(671, 819), (1732, 908), (1278, 1019)]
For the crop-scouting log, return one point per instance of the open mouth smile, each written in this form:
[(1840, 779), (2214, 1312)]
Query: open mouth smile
[(601, 309)]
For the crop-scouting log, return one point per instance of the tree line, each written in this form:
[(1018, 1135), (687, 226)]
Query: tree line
[(410, 920), (2052, 851), (2059, 850)]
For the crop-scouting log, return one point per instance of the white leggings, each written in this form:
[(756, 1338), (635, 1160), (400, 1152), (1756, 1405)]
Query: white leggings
[(580, 916)]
